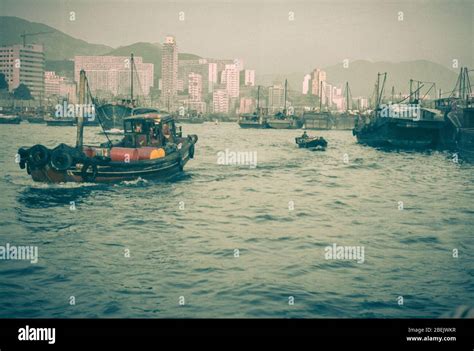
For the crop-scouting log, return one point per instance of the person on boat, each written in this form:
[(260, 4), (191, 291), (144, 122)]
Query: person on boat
[(305, 135)]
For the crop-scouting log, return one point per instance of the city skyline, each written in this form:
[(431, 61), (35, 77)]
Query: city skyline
[(269, 35)]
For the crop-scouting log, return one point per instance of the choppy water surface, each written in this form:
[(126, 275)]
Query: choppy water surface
[(182, 235)]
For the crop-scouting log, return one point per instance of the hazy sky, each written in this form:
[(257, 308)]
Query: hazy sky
[(262, 32)]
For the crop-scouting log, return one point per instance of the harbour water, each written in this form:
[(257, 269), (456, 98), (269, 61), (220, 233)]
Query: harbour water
[(240, 241)]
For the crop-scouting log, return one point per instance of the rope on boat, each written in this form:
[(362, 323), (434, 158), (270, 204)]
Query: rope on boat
[(89, 95)]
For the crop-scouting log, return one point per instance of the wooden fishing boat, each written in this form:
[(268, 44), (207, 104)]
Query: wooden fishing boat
[(401, 125), (284, 120), (152, 147), (256, 120)]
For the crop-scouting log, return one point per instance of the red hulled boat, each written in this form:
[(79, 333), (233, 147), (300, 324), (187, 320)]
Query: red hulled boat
[(152, 147)]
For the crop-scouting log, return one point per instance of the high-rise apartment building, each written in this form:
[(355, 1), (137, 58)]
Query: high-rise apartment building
[(110, 75), (169, 71), (23, 65), (220, 101)]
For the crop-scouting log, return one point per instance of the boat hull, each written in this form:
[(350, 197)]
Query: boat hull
[(466, 144), (90, 171), (255, 125), (318, 121), (400, 133), (60, 123), (10, 120), (282, 124)]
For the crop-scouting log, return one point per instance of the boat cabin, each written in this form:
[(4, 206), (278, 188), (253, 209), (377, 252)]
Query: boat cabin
[(151, 129)]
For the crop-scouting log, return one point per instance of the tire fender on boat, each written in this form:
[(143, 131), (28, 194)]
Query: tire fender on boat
[(61, 159), (38, 155), (191, 151), (85, 174)]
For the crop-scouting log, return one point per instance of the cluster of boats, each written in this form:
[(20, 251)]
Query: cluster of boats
[(312, 120), (153, 146), (447, 126)]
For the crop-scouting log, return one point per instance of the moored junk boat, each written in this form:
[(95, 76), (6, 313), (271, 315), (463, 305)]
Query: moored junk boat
[(9, 119), (151, 148), (400, 125), (257, 120), (35, 119), (112, 114), (60, 122), (284, 120), (193, 118), (317, 120), (346, 120)]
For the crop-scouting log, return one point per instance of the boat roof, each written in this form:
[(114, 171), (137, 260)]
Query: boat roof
[(157, 117)]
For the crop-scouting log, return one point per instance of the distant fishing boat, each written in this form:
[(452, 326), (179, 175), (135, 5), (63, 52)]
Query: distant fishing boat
[(318, 119), (9, 119), (35, 119), (152, 147), (255, 120), (345, 120), (282, 120), (190, 120), (111, 115), (60, 122)]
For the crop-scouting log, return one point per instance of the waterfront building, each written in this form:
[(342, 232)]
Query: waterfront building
[(110, 75), (169, 71), (24, 65), (220, 101)]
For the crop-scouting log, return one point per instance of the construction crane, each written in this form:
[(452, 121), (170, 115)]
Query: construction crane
[(24, 35)]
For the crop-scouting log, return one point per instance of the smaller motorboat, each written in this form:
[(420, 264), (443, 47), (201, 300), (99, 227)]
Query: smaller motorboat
[(312, 143)]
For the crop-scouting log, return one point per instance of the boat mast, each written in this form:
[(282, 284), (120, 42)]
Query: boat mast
[(411, 91), (131, 78), (320, 96), (286, 87), (80, 117), (258, 99), (377, 84), (347, 96)]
